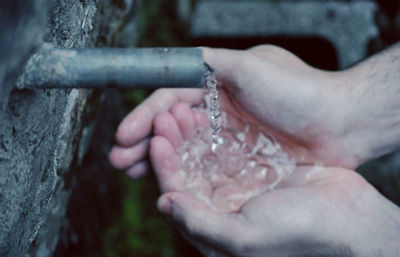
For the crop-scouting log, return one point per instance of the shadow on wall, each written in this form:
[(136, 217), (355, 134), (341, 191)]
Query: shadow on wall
[(96, 196)]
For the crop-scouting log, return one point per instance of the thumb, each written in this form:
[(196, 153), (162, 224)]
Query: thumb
[(228, 64), (226, 231)]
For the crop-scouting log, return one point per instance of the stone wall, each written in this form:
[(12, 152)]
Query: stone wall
[(349, 26), (44, 134)]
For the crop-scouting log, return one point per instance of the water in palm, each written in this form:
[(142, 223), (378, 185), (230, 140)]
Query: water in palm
[(225, 167)]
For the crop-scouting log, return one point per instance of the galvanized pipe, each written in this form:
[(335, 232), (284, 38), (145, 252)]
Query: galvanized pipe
[(116, 68)]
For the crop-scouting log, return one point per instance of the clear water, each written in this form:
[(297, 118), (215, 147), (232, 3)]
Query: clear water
[(225, 167), (214, 112)]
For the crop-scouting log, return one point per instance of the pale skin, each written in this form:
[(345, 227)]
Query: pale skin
[(338, 119)]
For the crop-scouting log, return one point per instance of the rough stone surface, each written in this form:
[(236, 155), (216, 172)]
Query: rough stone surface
[(95, 200), (21, 30), (44, 133), (349, 26)]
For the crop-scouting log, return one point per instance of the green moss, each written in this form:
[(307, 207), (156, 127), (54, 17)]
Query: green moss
[(159, 24), (134, 97), (140, 230)]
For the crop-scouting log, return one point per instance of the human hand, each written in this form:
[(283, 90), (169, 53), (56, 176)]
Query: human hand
[(262, 94), (317, 211), (266, 85), (334, 213)]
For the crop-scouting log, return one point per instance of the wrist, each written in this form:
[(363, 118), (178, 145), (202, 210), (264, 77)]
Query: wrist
[(370, 116), (378, 232), (368, 225)]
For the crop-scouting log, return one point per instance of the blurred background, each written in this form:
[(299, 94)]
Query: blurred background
[(110, 215)]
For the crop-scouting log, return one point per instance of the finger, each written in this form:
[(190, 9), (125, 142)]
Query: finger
[(138, 170), (138, 123), (277, 55), (223, 230), (124, 157), (200, 117), (166, 164), (184, 118), (226, 63), (166, 126)]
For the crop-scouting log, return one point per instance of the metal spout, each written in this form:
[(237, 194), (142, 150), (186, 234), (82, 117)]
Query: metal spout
[(114, 68)]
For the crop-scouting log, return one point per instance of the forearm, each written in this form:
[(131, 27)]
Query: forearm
[(379, 228), (373, 94)]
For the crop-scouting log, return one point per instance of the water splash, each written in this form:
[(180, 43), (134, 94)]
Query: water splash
[(238, 169), (223, 166)]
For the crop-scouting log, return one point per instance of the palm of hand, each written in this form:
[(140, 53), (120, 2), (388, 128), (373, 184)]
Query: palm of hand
[(221, 184), (286, 214), (256, 216), (247, 164), (299, 105), (269, 87)]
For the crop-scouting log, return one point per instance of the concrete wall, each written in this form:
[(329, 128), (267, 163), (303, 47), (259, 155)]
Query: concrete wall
[(44, 134)]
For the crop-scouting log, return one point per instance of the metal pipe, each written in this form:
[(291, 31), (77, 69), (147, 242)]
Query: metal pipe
[(116, 68)]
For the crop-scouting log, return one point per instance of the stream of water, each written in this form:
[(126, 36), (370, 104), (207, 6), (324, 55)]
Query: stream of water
[(225, 166)]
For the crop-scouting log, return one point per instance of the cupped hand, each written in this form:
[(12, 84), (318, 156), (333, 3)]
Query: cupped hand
[(322, 208), (305, 108), (134, 132), (301, 106), (317, 211)]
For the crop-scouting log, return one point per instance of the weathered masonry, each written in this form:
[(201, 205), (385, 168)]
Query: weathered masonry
[(44, 134)]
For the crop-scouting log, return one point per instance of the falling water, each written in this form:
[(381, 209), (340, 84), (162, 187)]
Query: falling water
[(225, 166), (213, 108)]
